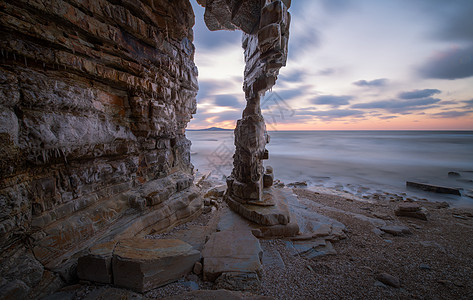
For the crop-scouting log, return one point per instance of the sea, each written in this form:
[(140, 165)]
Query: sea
[(360, 163)]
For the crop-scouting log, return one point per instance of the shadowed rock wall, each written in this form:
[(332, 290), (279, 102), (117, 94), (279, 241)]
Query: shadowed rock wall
[(94, 100)]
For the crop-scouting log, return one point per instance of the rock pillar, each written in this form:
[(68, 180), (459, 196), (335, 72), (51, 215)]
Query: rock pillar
[(265, 53)]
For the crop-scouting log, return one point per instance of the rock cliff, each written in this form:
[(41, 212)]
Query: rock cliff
[(94, 100)]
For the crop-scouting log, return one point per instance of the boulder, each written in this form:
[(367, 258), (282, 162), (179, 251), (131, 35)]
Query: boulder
[(231, 251), (145, 264), (412, 210)]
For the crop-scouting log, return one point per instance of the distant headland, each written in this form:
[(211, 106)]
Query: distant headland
[(210, 129)]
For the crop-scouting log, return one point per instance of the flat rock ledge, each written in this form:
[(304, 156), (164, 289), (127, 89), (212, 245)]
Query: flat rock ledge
[(138, 264)]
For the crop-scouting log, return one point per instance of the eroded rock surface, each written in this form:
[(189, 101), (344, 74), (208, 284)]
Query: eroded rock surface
[(94, 100)]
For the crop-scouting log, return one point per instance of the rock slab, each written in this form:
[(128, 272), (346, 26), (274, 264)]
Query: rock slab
[(145, 264), (231, 251), (396, 229), (275, 214)]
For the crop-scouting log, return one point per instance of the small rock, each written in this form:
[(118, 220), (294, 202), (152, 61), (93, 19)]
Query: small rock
[(442, 205), (453, 174), (425, 267), (408, 207), (389, 280), (216, 192), (458, 284), (396, 229), (197, 268), (380, 284), (382, 216), (412, 210), (269, 170), (377, 231), (297, 184), (207, 209), (460, 217), (268, 180), (388, 241)]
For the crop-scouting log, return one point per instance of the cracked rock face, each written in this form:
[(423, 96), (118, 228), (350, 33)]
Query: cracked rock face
[(94, 100), (265, 42)]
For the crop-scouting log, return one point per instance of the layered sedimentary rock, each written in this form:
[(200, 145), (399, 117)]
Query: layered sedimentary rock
[(94, 100), (265, 26)]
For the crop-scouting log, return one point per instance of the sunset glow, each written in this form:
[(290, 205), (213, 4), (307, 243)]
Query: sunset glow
[(352, 65)]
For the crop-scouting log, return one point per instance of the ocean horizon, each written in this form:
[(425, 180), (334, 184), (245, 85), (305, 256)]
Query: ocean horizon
[(359, 162)]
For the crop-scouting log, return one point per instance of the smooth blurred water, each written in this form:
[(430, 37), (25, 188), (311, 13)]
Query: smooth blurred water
[(370, 161)]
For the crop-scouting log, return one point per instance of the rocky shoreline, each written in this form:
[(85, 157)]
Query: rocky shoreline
[(382, 254)]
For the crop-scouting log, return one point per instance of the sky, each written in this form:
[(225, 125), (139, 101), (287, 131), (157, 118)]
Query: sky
[(352, 65)]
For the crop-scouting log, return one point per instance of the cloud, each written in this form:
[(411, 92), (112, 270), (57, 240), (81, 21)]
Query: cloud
[(334, 101), (337, 6), (450, 64), (416, 94), (333, 114), (303, 40), (453, 114), (295, 76), (208, 88), (227, 100), (375, 82), (399, 105), (211, 40), (387, 117), (326, 72), (453, 18), (304, 35), (229, 115), (468, 103), (286, 94)]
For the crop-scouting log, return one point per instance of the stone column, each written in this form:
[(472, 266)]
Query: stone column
[(265, 53)]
